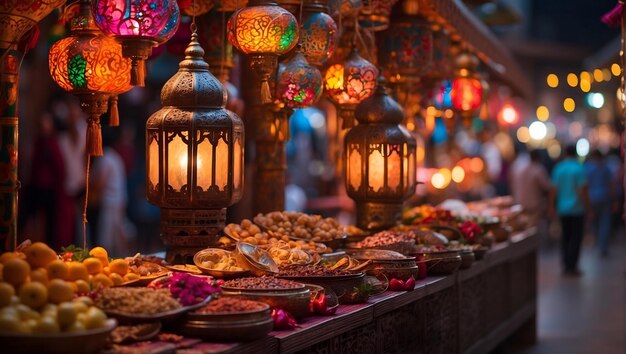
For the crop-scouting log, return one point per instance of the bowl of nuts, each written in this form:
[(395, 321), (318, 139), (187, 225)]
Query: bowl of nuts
[(301, 226), (220, 264)]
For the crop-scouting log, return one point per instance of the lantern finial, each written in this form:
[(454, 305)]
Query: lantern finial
[(194, 55)]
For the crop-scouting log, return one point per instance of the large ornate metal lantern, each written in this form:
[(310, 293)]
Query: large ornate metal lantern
[(467, 88), (19, 17), (318, 33), (299, 84), (379, 161), (194, 155), (263, 30), (139, 25), (90, 65), (349, 83)]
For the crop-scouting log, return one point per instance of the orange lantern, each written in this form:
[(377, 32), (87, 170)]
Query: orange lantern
[(467, 88)]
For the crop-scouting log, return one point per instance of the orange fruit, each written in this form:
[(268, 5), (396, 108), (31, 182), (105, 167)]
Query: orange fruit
[(40, 275), (10, 255), (58, 269), (60, 291), (40, 255), (6, 293), (33, 294), (15, 271), (106, 270), (82, 286), (116, 279), (131, 277), (101, 254), (119, 266), (93, 265), (102, 280), (77, 271)]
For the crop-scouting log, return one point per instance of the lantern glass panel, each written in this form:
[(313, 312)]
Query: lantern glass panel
[(405, 165), (238, 162), (354, 168), (221, 164), (411, 172), (153, 161), (376, 165), (177, 164), (394, 168), (205, 170)]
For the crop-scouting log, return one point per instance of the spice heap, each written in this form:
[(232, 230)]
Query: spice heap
[(144, 301), (230, 305), (311, 271), (261, 283), (301, 225)]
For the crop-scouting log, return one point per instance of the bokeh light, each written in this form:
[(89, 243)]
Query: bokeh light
[(552, 80), (458, 174), (616, 70), (582, 147), (572, 79), (569, 104), (595, 99), (537, 130), (543, 113), (522, 135), (477, 165)]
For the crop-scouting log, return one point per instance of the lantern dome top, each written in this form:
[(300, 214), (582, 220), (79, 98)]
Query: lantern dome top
[(193, 86), (380, 107)]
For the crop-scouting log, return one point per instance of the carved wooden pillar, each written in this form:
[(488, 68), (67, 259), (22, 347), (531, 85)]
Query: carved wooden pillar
[(9, 184)]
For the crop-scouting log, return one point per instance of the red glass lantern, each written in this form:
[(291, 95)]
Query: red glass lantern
[(467, 88), (139, 25)]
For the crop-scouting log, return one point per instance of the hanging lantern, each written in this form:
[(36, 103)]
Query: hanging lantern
[(299, 84), (218, 50), (351, 34), (349, 83), (194, 154), (264, 31), (374, 14), (195, 7), (318, 33), (467, 92), (139, 25), (19, 17), (441, 65), (380, 161), (90, 65)]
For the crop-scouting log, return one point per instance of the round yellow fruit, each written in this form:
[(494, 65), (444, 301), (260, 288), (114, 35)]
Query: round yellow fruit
[(93, 265), (33, 294), (77, 326), (60, 291), (116, 279), (15, 271), (94, 318), (85, 300), (40, 275), (101, 280), (82, 286), (26, 313), (49, 310), (101, 254), (80, 307), (58, 269), (119, 266), (131, 277), (46, 324), (9, 323), (66, 314), (6, 256), (6, 293), (40, 255), (77, 271)]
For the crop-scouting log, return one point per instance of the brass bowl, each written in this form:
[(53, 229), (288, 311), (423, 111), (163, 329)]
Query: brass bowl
[(256, 259), (402, 273), (229, 326), (156, 317), (440, 262), (295, 301), (403, 247), (341, 285), (88, 341), (201, 256)]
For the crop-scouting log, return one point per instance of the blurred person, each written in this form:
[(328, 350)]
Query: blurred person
[(572, 201), (532, 189), (601, 191)]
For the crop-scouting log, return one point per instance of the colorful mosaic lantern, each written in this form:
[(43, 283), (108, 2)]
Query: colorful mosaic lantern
[(374, 15), (380, 161), (263, 31), (90, 65), (349, 83), (194, 154), (19, 17), (139, 25), (467, 88), (299, 84), (318, 33), (195, 7)]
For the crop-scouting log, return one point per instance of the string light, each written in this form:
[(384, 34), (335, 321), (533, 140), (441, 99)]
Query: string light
[(569, 104), (543, 113), (616, 70), (552, 80), (597, 75), (572, 79)]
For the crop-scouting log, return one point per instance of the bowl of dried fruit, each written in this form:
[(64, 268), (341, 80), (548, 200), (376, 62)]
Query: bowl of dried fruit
[(220, 263), (229, 319), (288, 295)]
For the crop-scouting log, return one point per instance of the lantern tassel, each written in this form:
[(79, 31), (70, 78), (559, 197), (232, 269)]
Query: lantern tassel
[(138, 73), (94, 136), (114, 115), (266, 94)]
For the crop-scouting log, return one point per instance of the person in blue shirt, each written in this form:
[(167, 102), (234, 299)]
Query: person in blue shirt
[(570, 181), (600, 179)]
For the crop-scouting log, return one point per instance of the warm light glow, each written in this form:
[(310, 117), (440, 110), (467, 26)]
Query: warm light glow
[(586, 76), (508, 114), (156, 19), (522, 135), (352, 82), (266, 29), (458, 174), (448, 114), (354, 169), (595, 100), (552, 80), (569, 104), (238, 163), (376, 171), (467, 94), (177, 162), (597, 75), (582, 147), (476, 165), (554, 149), (543, 113), (616, 70), (537, 130), (153, 162), (221, 164), (585, 85), (606, 74), (420, 153), (572, 79), (438, 180), (394, 169)]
